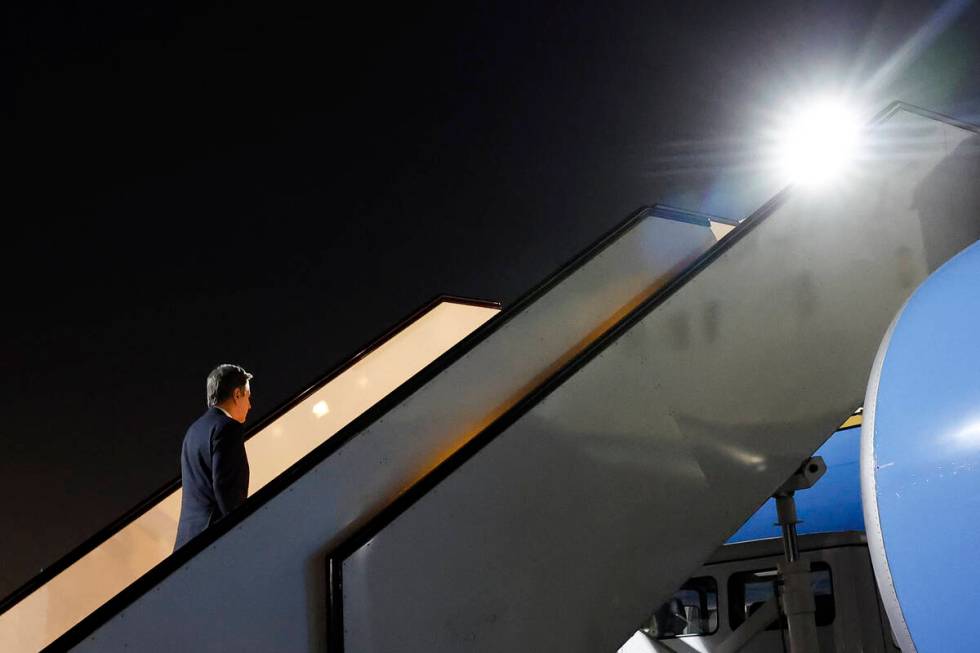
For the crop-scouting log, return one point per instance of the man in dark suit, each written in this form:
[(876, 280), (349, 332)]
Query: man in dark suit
[(213, 465)]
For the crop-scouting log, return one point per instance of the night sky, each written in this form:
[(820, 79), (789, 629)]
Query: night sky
[(276, 184)]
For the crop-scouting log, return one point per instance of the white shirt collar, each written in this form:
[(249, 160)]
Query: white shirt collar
[(223, 411)]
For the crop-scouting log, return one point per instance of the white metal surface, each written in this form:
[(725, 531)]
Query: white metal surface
[(261, 586), (598, 502)]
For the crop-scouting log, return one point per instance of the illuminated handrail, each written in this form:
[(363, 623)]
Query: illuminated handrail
[(63, 593), (323, 451)]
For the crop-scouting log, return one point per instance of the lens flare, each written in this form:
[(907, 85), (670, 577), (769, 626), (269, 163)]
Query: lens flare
[(818, 144)]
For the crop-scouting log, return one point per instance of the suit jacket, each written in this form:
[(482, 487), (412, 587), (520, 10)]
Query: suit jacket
[(214, 472)]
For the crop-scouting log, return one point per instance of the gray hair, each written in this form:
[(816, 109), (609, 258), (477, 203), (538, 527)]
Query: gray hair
[(223, 380)]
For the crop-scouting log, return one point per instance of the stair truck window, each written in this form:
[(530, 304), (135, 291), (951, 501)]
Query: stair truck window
[(692, 610), (749, 590)]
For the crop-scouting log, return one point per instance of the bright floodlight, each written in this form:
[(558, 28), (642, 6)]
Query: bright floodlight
[(818, 144)]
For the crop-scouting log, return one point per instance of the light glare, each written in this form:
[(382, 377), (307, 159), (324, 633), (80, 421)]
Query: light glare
[(321, 409), (819, 143), (969, 435)]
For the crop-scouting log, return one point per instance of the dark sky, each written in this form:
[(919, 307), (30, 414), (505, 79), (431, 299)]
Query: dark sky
[(275, 184)]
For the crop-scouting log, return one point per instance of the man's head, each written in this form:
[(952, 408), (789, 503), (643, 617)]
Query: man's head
[(228, 388)]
